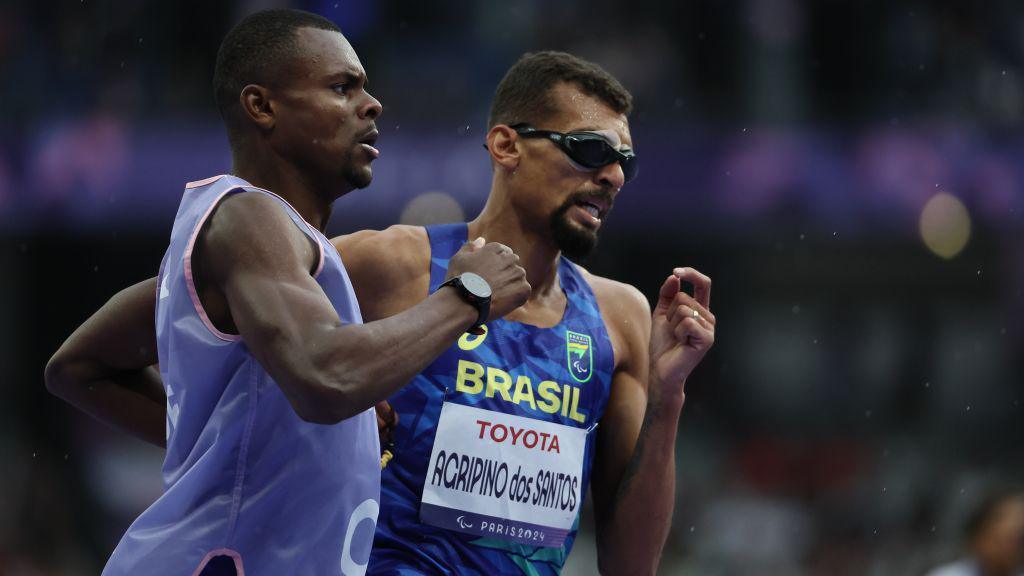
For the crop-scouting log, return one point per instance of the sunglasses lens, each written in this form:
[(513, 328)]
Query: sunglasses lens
[(595, 152), (590, 153)]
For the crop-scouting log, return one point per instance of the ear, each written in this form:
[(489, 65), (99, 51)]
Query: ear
[(503, 144), (256, 106)]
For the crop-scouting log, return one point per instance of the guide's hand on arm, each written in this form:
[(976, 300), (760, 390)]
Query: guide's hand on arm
[(329, 370), (499, 266)]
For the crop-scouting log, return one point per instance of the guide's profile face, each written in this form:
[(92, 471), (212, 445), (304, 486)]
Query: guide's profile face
[(325, 113)]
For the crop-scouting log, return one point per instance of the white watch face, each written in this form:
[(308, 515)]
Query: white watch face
[(476, 285)]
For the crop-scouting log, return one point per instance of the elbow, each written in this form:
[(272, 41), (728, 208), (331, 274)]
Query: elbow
[(324, 402), (321, 415), (324, 414)]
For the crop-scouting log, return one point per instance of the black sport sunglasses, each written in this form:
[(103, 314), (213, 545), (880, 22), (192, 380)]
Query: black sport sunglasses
[(587, 149)]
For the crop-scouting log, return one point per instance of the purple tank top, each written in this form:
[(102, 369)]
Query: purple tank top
[(244, 476)]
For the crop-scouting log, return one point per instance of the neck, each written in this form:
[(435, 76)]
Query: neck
[(499, 222), (264, 169)]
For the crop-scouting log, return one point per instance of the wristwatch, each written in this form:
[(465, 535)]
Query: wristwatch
[(474, 290)]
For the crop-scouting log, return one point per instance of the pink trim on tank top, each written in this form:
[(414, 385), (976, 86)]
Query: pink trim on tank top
[(209, 180), (195, 234), (234, 555), (316, 233), (190, 282)]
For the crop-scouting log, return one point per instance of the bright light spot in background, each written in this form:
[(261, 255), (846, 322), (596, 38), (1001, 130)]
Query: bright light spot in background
[(945, 225), (432, 208)]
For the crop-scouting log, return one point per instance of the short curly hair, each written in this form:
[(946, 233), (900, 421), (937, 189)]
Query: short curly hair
[(524, 94)]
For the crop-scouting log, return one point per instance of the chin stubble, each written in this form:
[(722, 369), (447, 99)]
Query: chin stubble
[(574, 241)]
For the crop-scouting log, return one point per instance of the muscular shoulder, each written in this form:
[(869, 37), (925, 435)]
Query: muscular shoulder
[(389, 269), (397, 237), (395, 251), (627, 315), (252, 230)]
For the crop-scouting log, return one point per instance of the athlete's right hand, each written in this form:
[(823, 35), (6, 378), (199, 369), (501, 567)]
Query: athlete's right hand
[(387, 421), (499, 266)]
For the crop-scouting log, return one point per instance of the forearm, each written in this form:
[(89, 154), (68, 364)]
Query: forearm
[(371, 361), (132, 400), (633, 537)]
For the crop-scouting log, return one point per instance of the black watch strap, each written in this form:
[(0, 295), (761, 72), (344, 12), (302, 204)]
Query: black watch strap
[(482, 304)]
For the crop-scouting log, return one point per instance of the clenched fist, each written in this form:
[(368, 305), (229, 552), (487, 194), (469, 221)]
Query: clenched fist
[(499, 266)]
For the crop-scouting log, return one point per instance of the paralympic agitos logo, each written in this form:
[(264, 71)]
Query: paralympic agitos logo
[(579, 356)]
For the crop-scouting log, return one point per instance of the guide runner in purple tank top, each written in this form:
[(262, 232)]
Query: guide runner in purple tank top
[(267, 376)]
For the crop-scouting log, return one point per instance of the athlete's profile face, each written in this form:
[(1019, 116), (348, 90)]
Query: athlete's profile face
[(575, 200), (325, 115)]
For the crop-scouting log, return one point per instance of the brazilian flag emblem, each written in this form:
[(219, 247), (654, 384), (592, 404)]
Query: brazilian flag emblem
[(579, 355)]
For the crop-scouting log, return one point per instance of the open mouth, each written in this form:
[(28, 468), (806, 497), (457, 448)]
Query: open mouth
[(597, 208), (369, 140)]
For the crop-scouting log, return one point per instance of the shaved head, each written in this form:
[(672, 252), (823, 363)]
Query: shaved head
[(254, 52)]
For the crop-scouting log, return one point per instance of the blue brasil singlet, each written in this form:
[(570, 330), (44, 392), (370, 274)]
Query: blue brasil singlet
[(494, 445)]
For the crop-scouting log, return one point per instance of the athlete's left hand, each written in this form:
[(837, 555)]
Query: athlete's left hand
[(680, 338)]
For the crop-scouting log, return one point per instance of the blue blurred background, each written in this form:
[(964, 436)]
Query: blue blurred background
[(849, 173)]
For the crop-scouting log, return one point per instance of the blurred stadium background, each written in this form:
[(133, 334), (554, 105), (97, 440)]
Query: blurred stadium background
[(849, 173)]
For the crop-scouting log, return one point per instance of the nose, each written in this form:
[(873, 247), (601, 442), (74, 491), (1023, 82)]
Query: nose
[(371, 109), (610, 176)]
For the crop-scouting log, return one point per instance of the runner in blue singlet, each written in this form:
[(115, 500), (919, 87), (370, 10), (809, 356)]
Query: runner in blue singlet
[(499, 439)]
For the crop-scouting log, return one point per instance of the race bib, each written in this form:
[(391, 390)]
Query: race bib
[(504, 476)]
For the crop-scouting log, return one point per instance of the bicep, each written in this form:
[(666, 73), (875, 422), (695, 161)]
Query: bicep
[(274, 312), (260, 261)]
